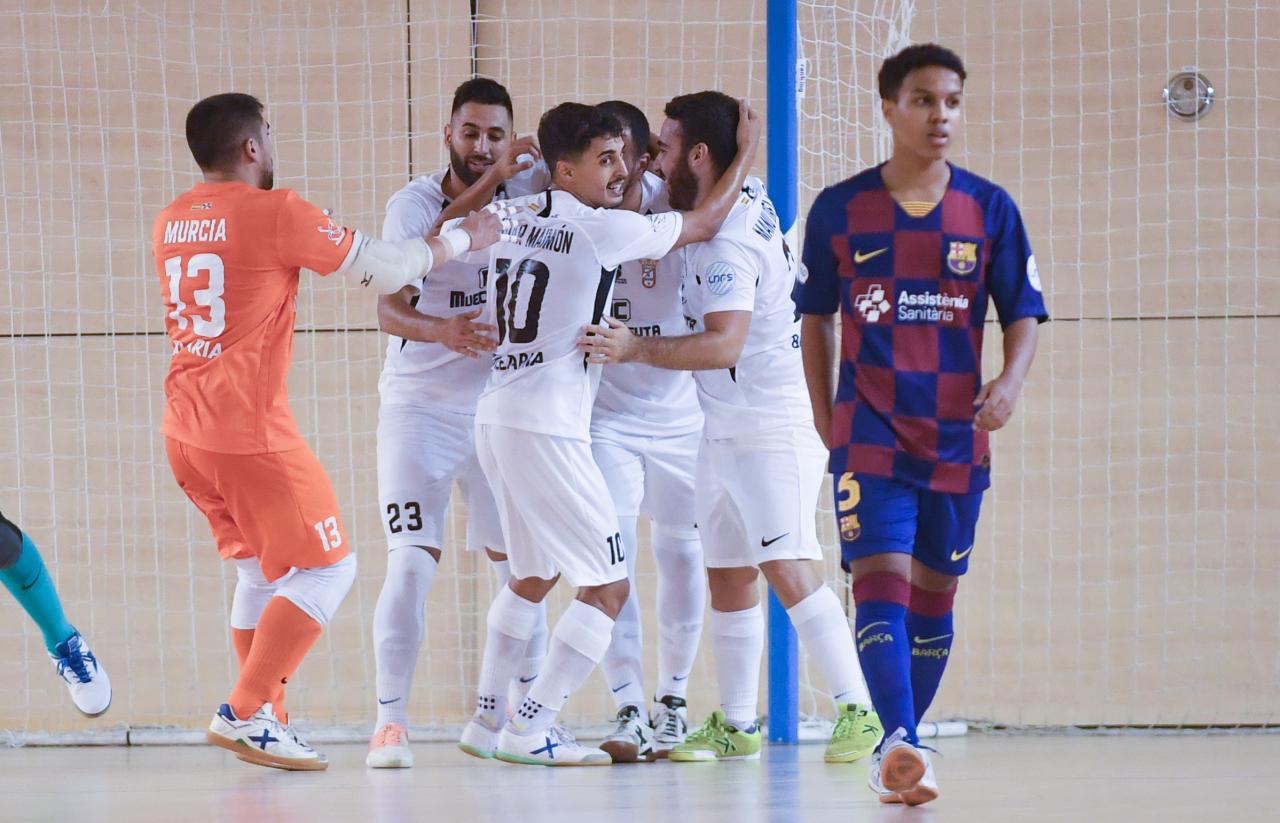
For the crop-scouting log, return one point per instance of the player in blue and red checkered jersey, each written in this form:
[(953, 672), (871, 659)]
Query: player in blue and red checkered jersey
[(908, 253)]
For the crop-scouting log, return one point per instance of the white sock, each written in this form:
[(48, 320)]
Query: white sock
[(399, 622), (682, 600), (622, 665), (534, 651), (510, 623), (580, 639), (824, 632), (737, 644)]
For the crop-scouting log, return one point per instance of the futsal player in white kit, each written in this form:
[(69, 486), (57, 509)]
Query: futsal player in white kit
[(437, 362), (645, 431), (549, 278), (761, 464)]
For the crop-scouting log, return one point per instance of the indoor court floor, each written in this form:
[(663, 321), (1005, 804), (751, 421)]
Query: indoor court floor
[(982, 778)]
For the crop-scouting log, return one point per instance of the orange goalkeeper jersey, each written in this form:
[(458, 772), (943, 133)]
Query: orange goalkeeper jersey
[(228, 256)]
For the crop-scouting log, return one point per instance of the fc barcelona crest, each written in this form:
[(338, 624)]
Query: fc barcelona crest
[(963, 257), (648, 273)]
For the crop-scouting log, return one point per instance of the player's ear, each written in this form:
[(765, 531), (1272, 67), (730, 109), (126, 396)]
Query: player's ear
[(448, 133), (698, 155), (252, 149), (643, 161), (564, 169)]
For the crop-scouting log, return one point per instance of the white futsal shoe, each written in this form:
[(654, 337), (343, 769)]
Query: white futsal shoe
[(631, 739), (553, 746), (263, 741), (389, 748), (669, 719), (479, 739), (901, 772), (87, 681)]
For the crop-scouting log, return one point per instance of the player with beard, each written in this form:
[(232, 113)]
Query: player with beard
[(550, 277), (437, 361), (228, 255), (760, 463)]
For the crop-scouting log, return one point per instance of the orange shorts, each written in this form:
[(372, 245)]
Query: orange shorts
[(278, 507)]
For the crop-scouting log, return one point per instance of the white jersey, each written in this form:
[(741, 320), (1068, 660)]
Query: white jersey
[(431, 374), (748, 267), (636, 398), (549, 277)]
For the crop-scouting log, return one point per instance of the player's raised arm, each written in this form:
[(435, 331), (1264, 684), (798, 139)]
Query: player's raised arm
[(388, 266), (705, 219), (520, 156)]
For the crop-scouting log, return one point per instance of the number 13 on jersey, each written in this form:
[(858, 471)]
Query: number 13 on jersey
[(206, 267)]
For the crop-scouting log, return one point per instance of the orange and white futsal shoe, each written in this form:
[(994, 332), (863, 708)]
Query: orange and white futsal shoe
[(902, 773), (389, 748)]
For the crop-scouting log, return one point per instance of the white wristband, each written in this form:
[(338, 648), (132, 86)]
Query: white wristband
[(457, 241)]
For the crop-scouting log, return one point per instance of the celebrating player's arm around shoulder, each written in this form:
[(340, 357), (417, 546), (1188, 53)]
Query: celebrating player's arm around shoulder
[(908, 253), (437, 360), (759, 467), (228, 255)]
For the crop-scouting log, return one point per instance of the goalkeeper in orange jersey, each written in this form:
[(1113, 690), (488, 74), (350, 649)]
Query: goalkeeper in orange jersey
[(228, 254)]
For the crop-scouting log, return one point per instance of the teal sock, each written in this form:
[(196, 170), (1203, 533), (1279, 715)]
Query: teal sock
[(31, 585)]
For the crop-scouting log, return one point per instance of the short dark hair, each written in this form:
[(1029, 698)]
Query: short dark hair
[(218, 125), (565, 131), (633, 120), (484, 91), (922, 55), (709, 117)]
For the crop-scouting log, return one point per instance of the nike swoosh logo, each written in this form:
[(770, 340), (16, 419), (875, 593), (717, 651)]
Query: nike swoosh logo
[(956, 557), (871, 626), (859, 258), (385, 702), (527, 679), (766, 543), (678, 679), (920, 641), (35, 580), (620, 688)]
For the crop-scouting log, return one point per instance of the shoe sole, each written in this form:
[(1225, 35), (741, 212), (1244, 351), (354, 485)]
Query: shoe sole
[(919, 795), (677, 757), (901, 770), (622, 752), (891, 798), (523, 760), (401, 762), (95, 714), (474, 752), (848, 757), (250, 755)]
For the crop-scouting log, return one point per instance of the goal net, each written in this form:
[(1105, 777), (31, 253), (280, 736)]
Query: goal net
[(1121, 574)]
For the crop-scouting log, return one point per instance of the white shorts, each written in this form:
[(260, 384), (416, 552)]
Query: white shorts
[(757, 497), (554, 505), (421, 452), (652, 476)]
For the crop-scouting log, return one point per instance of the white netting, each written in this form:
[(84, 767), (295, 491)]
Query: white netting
[(1124, 571)]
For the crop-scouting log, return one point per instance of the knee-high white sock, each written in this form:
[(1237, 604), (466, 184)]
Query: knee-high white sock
[(824, 632), (622, 665), (510, 623), (737, 644), (399, 622), (682, 600), (534, 651), (579, 640)]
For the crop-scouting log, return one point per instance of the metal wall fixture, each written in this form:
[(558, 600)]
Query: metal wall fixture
[(1189, 95)]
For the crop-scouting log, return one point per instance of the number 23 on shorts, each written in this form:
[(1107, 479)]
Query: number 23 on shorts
[(848, 496)]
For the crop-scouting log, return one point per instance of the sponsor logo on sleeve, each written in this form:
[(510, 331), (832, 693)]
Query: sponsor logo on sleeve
[(1033, 273), (719, 278), (331, 230)]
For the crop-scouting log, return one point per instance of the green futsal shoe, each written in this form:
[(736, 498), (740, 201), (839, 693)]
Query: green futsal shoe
[(856, 734), (717, 740)]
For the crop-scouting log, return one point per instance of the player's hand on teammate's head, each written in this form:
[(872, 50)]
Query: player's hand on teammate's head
[(465, 336), (609, 342), (995, 402), (522, 155), (750, 126), (484, 227)]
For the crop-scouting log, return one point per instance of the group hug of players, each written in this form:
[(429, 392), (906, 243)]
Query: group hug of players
[(603, 324)]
